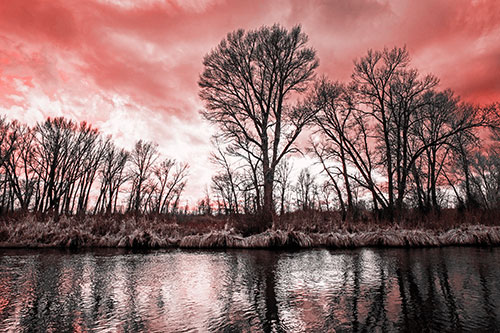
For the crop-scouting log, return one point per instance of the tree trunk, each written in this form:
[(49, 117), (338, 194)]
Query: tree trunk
[(268, 207)]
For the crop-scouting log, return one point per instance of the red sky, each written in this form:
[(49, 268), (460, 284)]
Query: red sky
[(130, 67)]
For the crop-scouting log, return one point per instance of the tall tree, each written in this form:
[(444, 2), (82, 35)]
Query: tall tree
[(436, 115), (247, 85), (389, 90), (392, 95), (347, 140)]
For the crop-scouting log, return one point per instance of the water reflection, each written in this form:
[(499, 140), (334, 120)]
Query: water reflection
[(450, 289)]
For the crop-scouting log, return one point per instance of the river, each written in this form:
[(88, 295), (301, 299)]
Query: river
[(436, 289)]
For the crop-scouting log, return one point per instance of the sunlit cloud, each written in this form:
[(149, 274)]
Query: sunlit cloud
[(131, 67)]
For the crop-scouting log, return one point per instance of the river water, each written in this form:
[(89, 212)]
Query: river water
[(438, 289)]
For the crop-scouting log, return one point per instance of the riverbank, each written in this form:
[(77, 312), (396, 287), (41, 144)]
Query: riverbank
[(72, 232)]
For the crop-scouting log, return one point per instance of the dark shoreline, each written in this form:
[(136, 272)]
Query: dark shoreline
[(473, 235)]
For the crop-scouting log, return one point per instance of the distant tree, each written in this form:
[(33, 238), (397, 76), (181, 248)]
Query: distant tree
[(250, 175), (8, 146), (142, 160), (306, 190), (170, 177), (18, 163), (53, 166), (7, 139), (485, 180), (60, 152), (226, 182), (283, 172), (463, 145), (113, 176), (327, 196), (92, 150), (247, 85), (325, 153)]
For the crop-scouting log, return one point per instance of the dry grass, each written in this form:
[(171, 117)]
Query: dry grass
[(217, 239), (212, 232), (471, 235)]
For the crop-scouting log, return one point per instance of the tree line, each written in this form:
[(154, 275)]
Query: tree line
[(388, 139), (62, 167)]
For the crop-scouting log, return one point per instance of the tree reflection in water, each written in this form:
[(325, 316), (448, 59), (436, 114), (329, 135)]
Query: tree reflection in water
[(449, 289)]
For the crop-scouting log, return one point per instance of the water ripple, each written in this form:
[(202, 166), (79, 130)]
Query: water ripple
[(449, 289)]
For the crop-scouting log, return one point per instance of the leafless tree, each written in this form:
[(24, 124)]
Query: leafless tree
[(389, 90), (226, 183), (306, 190), (53, 167), (283, 173), (486, 179), (436, 117), (346, 149), (60, 152), (8, 144), (113, 176), (386, 122), (327, 196), (92, 148), (17, 163), (247, 85), (170, 178), (142, 160)]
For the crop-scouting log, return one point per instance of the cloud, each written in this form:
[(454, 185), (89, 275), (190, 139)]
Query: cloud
[(131, 67)]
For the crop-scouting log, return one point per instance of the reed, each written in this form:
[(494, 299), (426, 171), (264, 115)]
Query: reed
[(143, 232), (217, 239)]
